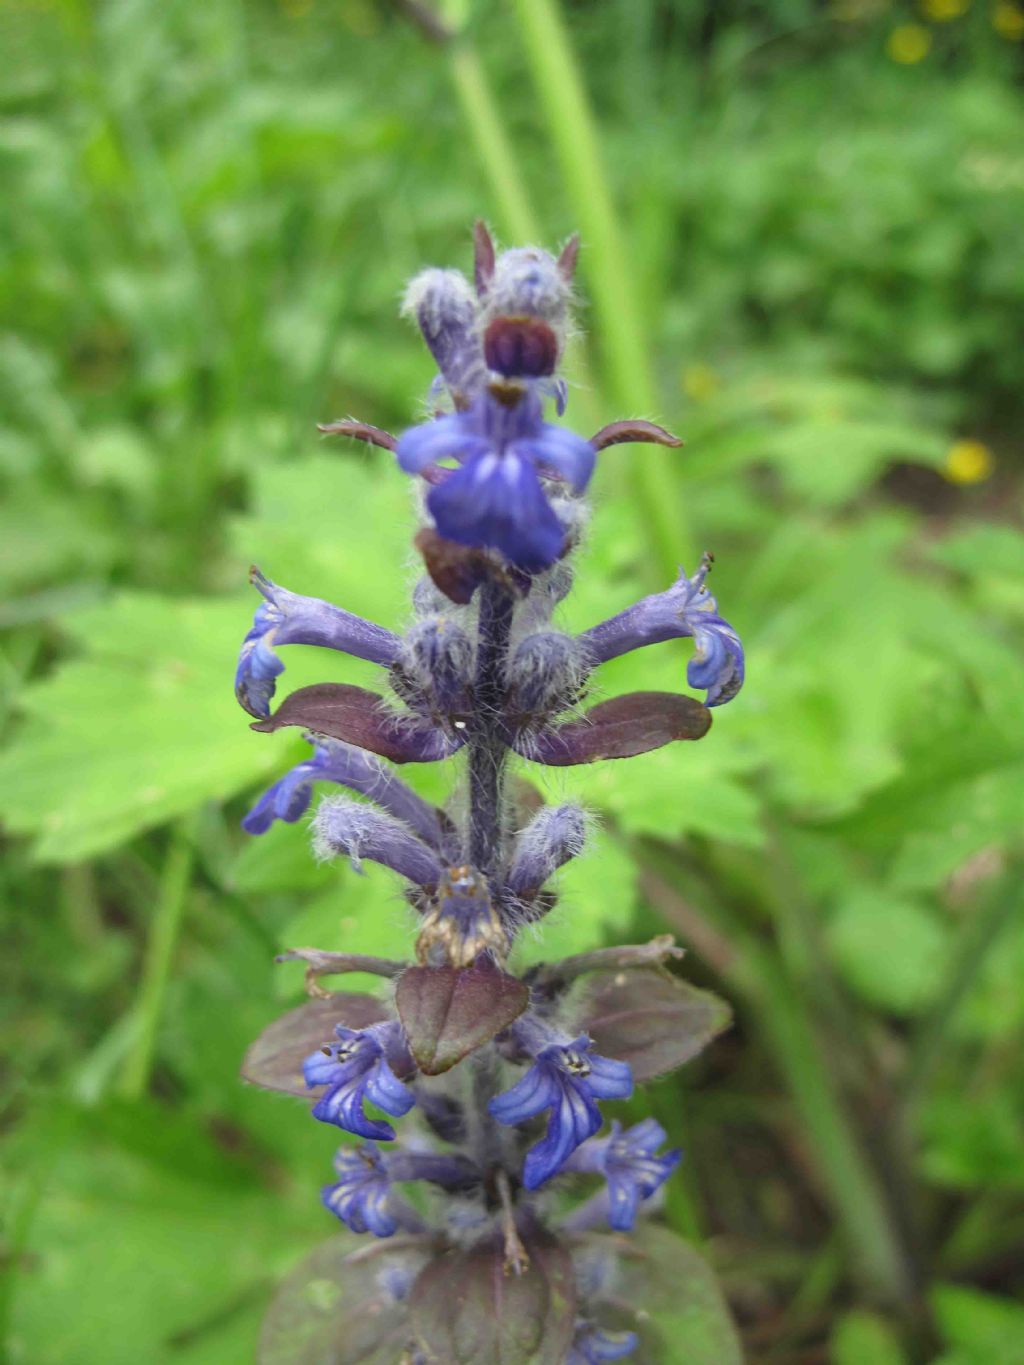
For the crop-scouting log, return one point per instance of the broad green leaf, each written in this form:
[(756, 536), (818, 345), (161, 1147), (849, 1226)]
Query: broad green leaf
[(980, 1329), (861, 1336), (974, 1142), (139, 1223), (140, 728), (675, 1303), (894, 953)]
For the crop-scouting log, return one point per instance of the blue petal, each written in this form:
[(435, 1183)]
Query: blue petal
[(288, 799), (623, 1201), (644, 1137), (443, 438), (537, 1090), (385, 1089), (569, 455), (258, 665), (574, 1119), (595, 1346), (496, 501), (343, 1106), (322, 1068), (608, 1079), (718, 664)]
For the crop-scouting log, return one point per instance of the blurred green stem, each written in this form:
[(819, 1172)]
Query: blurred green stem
[(495, 150), (161, 942), (497, 155), (574, 134), (757, 972), (981, 936)]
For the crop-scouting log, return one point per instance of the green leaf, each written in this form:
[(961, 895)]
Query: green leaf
[(140, 728), (676, 1305), (981, 1329), (139, 1224), (894, 953), (861, 1336), (335, 1308)]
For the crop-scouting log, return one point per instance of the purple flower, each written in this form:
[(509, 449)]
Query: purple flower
[(285, 618), (445, 308), (361, 1197), (685, 609), (333, 761), (568, 1079), (627, 1159), (344, 826), (554, 836), (591, 1346), (495, 498), (355, 1069)]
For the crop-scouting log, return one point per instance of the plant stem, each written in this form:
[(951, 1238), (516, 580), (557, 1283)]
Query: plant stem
[(573, 131), (494, 149), (980, 938), (487, 749), (497, 156), (757, 973), (156, 968)]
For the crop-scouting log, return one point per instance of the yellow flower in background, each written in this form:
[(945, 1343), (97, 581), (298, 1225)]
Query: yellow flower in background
[(943, 11), (1008, 21), (700, 382), (908, 44), (968, 462)]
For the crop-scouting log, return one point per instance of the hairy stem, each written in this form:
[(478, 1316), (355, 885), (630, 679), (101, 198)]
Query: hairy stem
[(487, 749), (157, 963)]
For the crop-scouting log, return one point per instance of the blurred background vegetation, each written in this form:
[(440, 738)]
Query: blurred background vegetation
[(802, 251)]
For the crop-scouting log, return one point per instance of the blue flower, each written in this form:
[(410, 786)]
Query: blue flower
[(591, 1346), (334, 761), (361, 1196), (627, 1160), (685, 609), (495, 498), (286, 618), (355, 1069), (568, 1080)]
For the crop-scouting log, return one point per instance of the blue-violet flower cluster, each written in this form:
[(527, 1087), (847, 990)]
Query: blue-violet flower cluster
[(468, 1093)]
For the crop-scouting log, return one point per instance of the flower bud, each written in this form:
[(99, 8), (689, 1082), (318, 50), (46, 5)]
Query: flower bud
[(434, 670), (461, 923), (344, 826), (553, 836), (546, 675)]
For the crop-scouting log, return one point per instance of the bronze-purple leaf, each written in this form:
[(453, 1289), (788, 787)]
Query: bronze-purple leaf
[(337, 1308), (483, 257), (359, 717), (466, 1308), (569, 256), (448, 1012), (274, 1060), (457, 570), (633, 430), (360, 431), (620, 728), (650, 1019)]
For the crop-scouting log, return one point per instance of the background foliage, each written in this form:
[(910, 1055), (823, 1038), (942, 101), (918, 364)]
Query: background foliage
[(801, 225)]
